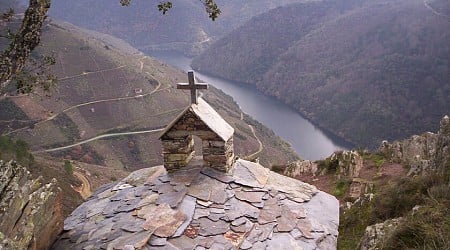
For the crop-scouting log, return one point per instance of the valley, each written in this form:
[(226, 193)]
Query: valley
[(365, 70), (112, 103), (309, 141), (338, 95)]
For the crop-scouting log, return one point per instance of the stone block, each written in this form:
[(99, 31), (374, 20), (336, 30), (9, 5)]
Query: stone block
[(175, 157)]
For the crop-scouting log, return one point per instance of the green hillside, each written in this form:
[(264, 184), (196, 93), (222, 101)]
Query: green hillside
[(365, 70)]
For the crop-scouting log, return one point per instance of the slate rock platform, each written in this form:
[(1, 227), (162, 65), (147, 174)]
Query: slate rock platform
[(200, 208)]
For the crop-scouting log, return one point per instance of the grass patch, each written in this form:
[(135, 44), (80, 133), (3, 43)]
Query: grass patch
[(429, 228), (67, 126), (341, 187), (378, 159), (426, 228), (15, 150)]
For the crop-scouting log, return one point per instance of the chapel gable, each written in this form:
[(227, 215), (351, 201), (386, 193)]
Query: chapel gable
[(199, 119)]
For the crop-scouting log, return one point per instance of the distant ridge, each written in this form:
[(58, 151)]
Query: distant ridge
[(365, 70)]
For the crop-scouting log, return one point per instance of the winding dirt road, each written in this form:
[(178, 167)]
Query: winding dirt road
[(260, 149), (100, 137), (85, 189)]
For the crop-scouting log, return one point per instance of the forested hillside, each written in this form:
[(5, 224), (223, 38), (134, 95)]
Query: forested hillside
[(365, 70), (185, 28)]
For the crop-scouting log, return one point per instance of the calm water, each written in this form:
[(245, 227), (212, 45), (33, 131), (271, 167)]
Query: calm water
[(309, 141)]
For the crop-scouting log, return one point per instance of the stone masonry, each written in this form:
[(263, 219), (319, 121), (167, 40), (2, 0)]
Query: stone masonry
[(202, 121)]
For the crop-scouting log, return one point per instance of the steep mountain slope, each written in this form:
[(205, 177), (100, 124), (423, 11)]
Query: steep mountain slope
[(396, 197), (185, 28), (365, 70), (106, 87)]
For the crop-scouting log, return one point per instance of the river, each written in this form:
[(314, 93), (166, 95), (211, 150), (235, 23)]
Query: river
[(309, 141)]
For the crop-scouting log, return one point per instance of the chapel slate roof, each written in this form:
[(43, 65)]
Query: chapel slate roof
[(209, 116), (200, 208)]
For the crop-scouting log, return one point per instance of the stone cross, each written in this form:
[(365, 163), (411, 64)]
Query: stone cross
[(192, 86)]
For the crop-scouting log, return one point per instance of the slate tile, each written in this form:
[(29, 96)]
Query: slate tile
[(283, 241), (229, 193), (234, 238), (296, 234), (260, 245), (261, 232), (305, 227), (220, 176), (171, 198), (239, 209), (218, 194), (270, 212), (146, 211), (252, 197), (215, 217), (293, 189), (259, 204), (210, 228), (294, 207), (121, 186), (132, 227), (147, 200), (120, 195), (163, 220), (183, 242), (164, 178), (246, 245), (204, 203), (127, 206), (205, 242), (220, 241), (287, 221), (138, 240), (239, 221), (243, 228), (184, 176), (163, 188), (187, 207), (98, 233), (250, 174), (199, 213), (217, 210)]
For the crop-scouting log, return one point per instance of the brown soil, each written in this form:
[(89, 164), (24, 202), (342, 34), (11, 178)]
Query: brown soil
[(324, 183), (85, 189)]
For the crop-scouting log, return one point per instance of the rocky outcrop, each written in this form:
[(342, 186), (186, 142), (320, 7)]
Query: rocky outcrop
[(421, 153), (374, 235), (198, 207), (299, 168), (30, 212), (348, 164)]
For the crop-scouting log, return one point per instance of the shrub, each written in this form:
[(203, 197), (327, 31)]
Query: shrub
[(429, 228), (68, 167), (398, 199), (341, 187)]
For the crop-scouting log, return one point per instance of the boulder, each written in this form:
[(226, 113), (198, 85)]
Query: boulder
[(375, 234)]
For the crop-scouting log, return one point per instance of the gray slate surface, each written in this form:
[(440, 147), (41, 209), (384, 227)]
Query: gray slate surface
[(199, 208)]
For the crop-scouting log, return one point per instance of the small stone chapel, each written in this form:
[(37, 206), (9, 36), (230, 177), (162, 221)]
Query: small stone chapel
[(198, 119)]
